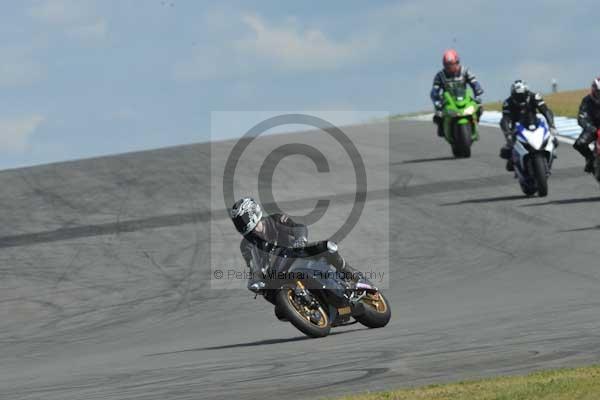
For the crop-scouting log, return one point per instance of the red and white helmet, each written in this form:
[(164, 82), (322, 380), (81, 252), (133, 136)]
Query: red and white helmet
[(595, 91), (451, 61)]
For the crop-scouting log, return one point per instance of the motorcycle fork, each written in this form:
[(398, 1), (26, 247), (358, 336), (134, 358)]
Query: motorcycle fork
[(301, 293)]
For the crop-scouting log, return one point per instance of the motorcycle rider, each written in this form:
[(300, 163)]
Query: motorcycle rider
[(522, 107), (589, 120), (262, 231), (452, 73)]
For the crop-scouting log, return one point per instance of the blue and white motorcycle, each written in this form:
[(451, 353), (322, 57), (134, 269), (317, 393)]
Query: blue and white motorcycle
[(533, 153)]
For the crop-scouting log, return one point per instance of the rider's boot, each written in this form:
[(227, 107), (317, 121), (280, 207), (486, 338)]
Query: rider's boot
[(506, 153), (510, 165), (347, 273), (352, 275), (437, 120), (440, 130), (582, 147), (589, 166)]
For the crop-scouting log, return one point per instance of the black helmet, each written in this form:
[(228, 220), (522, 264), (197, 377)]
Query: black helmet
[(519, 91), (245, 214)]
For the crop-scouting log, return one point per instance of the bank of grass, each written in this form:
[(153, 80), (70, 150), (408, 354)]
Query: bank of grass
[(408, 115), (565, 104), (563, 384)]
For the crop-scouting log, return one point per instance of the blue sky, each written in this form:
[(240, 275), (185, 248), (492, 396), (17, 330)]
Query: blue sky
[(80, 78)]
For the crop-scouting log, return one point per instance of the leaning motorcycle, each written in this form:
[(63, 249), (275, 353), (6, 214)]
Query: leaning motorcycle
[(532, 154), (307, 292), (459, 119)]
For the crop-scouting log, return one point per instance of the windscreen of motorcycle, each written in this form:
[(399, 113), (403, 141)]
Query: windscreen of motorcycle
[(458, 91)]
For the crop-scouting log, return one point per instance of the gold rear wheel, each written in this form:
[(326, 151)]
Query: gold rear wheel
[(377, 311), (376, 301)]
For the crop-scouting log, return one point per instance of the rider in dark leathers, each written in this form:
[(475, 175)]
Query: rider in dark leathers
[(589, 120), (278, 229), (452, 73), (522, 106)]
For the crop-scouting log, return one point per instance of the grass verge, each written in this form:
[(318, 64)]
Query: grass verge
[(565, 104), (408, 115), (562, 384)]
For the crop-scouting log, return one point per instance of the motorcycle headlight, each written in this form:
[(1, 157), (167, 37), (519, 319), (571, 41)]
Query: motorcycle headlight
[(469, 110)]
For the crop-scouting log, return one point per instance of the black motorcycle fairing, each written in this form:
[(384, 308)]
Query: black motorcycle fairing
[(315, 274), (309, 268)]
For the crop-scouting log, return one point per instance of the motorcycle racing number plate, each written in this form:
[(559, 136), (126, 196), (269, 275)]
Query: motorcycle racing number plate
[(344, 310)]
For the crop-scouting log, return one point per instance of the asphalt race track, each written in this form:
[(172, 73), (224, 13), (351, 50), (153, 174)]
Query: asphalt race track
[(106, 289)]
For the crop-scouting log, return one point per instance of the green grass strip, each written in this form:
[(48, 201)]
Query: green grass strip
[(564, 104), (563, 384)]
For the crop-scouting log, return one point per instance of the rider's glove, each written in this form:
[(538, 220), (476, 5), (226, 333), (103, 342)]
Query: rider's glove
[(508, 135), (511, 136), (438, 105)]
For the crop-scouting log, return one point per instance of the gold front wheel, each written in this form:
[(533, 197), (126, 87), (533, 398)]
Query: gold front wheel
[(311, 321), (317, 317)]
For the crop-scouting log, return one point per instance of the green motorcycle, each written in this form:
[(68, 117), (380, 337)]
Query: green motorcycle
[(459, 118)]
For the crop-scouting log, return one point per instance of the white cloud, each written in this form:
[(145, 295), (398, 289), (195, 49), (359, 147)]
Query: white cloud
[(389, 51), (15, 132), (262, 46), (77, 18), (288, 47)]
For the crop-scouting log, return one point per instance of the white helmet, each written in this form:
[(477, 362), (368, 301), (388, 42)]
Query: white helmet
[(595, 92), (245, 214)]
